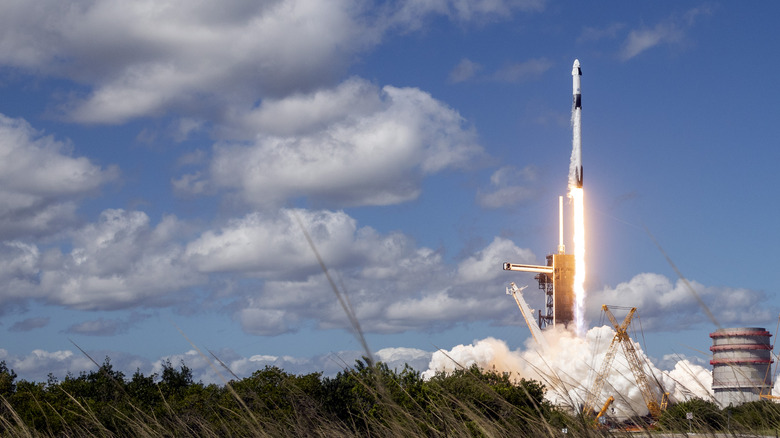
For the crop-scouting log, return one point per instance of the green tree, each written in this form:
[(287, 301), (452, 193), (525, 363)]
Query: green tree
[(706, 416), (29, 403), (174, 383), (7, 380), (762, 415), (482, 399), (144, 391), (373, 397)]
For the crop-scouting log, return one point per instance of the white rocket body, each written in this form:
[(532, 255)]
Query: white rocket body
[(576, 76)]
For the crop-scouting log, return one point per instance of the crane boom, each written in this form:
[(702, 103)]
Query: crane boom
[(606, 365), (605, 407), (527, 312), (634, 363)]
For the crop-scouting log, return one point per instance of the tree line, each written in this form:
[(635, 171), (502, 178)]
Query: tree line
[(365, 400)]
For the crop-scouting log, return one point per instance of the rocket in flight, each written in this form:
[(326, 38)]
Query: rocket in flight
[(576, 76)]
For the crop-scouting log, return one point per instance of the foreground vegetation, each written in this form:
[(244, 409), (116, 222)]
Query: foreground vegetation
[(366, 400)]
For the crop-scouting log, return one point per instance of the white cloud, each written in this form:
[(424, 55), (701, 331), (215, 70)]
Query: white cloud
[(483, 266), (667, 305), (261, 269), (396, 357), (118, 262), (273, 244), (669, 31), (392, 284), (353, 145), (37, 365), (191, 359), (40, 180), (306, 113), (123, 261), (147, 57), (158, 55)]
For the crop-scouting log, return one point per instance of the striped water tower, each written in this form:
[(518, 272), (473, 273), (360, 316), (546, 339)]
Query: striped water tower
[(741, 365)]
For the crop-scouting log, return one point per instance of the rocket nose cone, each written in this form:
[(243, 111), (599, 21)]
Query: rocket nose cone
[(576, 63)]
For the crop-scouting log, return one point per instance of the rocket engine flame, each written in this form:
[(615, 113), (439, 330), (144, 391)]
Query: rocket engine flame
[(576, 195)]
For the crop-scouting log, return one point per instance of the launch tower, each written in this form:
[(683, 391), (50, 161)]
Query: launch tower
[(556, 279)]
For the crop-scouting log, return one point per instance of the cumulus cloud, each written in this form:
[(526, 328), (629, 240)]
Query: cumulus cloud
[(40, 180), (397, 357), (120, 261), (352, 145), (260, 268), (273, 245), (199, 58), (668, 305), (393, 284), (481, 267), (161, 55), (38, 364)]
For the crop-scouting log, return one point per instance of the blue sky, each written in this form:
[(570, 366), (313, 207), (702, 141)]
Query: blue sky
[(156, 154)]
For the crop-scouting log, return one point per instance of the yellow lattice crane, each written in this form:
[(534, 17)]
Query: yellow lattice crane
[(634, 364), (637, 368), (606, 365)]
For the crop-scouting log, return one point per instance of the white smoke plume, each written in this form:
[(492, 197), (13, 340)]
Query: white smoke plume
[(576, 149), (568, 366)]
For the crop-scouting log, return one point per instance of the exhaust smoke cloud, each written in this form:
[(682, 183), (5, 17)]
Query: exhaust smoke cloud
[(567, 369)]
